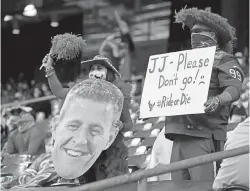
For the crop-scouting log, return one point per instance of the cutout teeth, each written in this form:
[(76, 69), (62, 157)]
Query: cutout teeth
[(74, 153)]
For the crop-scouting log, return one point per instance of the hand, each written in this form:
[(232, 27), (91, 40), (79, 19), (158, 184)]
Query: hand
[(138, 116), (47, 62), (124, 27), (110, 37), (71, 84), (212, 104)]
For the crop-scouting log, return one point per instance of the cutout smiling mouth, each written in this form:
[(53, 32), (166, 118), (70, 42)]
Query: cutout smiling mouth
[(74, 153)]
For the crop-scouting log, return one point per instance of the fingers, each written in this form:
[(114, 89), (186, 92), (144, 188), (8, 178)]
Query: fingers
[(44, 61), (210, 108), (207, 103), (212, 104), (143, 119)]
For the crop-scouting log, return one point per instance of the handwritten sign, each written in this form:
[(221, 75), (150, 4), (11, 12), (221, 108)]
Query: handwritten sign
[(177, 83)]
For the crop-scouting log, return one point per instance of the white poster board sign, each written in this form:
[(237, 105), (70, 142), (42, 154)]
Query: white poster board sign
[(177, 83)]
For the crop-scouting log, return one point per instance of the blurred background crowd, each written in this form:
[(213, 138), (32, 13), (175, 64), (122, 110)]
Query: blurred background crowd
[(27, 31)]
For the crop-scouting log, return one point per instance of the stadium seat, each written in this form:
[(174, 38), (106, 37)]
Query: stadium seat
[(155, 133), (139, 150), (133, 168), (133, 142), (143, 127), (131, 151), (136, 142), (148, 141), (138, 127), (159, 125), (142, 134), (128, 134), (137, 160)]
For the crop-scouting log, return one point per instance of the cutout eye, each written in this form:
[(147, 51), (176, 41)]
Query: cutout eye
[(95, 131), (73, 127)]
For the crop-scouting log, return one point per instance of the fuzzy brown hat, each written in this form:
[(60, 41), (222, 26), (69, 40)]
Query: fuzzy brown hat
[(226, 33)]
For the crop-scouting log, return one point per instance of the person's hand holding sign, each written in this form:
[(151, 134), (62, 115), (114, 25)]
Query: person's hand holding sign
[(138, 116), (212, 104)]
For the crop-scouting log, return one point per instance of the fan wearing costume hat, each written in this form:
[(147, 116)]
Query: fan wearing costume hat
[(68, 46), (200, 134)]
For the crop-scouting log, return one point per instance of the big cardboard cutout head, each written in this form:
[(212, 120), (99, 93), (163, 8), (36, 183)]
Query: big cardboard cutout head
[(86, 126)]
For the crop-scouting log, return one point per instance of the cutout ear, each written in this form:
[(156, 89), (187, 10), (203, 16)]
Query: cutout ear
[(55, 123), (114, 130)]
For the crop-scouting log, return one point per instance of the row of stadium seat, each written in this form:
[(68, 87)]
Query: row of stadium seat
[(140, 140)]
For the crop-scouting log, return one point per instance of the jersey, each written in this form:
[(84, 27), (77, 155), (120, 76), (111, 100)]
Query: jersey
[(226, 72)]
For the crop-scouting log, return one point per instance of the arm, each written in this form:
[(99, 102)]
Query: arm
[(56, 86), (229, 95), (125, 116), (33, 170), (127, 38), (230, 78), (234, 171), (125, 35), (54, 83), (27, 175), (11, 146), (36, 139)]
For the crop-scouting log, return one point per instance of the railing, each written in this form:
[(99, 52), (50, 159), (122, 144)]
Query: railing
[(45, 98), (28, 101), (51, 97), (142, 176)]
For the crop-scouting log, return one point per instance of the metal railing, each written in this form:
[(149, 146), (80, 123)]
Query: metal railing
[(142, 175), (12, 104), (51, 97)]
